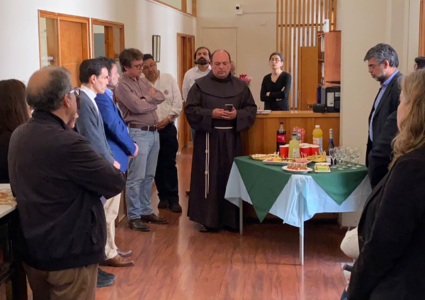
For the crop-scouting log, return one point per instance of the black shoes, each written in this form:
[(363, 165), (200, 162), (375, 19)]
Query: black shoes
[(139, 225), (104, 279), (175, 207), (162, 204)]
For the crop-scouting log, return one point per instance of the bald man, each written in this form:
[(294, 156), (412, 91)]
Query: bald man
[(58, 180), (219, 106)]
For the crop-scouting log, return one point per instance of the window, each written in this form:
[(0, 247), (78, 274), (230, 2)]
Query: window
[(108, 39), (186, 6)]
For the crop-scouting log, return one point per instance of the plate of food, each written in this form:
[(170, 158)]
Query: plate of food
[(322, 168), (6, 197), (263, 111), (317, 158), (263, 156), (297, 168)]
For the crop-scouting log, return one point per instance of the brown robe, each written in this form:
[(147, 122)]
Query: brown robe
[(207, 205)]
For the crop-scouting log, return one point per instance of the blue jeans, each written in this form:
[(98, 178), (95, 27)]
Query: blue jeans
[(141, 172)]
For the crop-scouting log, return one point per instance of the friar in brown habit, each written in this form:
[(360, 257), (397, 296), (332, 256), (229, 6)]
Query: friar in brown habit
[(217, 141)]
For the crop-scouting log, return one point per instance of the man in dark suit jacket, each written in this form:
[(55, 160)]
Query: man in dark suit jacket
[(382, 63), (58, 180)]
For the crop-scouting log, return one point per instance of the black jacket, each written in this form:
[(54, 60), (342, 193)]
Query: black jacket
[(381, 154), (388, 104), (392, 236), (58, 179)]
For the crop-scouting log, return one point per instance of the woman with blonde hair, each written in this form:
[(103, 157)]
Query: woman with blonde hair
[(392, 227)]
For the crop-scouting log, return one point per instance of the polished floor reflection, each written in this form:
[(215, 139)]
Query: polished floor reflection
[(177, 262)]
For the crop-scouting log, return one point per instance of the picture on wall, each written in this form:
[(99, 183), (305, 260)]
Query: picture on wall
[(156, 47)]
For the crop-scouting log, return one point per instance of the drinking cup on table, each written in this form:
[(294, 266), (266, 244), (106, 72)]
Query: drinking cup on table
[(305, 151), (284, 151), (314, 149)]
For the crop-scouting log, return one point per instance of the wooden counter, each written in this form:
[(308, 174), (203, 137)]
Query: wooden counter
[(261, 138)]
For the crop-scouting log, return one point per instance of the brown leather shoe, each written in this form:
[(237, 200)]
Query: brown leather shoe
[(153, 219), (119, 261), (139, 225), (125, 253)]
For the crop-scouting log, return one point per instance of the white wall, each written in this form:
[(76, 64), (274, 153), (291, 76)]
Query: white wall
[(256, 33), (20, 40), (365, 23)]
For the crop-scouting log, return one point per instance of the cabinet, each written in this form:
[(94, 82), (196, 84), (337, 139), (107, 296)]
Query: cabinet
[(329, 57)]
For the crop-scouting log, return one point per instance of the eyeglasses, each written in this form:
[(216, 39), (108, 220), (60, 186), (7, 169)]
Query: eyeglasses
[(275, 60), (76, 92), (139, 66)]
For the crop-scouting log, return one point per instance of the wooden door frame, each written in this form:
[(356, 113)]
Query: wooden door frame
[(109, 36), (63, 17), (184, 134), (421, 50)]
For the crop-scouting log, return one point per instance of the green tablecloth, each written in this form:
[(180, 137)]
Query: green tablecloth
[(264, 183)]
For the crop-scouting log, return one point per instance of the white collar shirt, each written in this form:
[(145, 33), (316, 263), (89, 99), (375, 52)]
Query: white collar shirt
[(190, 77), (91, 95), (172, 104)]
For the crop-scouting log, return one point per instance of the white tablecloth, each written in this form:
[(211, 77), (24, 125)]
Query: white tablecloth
[(299, 190)]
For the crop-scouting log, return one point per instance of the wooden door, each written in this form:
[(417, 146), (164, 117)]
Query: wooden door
[(71, 37), (185, 52), (64, 41)]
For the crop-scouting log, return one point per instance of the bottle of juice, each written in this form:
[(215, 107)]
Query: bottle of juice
[(294, 147), (318, 137)]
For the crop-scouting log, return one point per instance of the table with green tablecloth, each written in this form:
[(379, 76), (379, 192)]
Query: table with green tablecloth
[(295, 198)]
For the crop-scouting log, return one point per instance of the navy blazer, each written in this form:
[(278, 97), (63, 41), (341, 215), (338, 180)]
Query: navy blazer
[(90, 125), (388, 104), (119, 140)]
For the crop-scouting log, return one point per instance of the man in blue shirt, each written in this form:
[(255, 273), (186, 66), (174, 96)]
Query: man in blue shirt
[(122, 146), (382, 62)]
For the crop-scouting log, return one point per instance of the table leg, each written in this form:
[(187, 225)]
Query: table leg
[(240, 216), (301, 231), (302, 243)]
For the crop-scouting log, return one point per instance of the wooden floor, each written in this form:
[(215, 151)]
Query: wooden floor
[(177, 262)]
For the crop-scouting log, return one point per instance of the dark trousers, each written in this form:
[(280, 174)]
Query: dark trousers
[(166, 171)]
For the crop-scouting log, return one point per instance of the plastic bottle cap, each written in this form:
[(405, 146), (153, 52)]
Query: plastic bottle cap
[(317, 126)]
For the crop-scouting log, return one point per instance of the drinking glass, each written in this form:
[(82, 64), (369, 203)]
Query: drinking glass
[(357, 155), (348, 152), (332, 154)]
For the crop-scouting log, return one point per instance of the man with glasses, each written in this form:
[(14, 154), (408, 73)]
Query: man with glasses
[(382, 61), (138, 102), (57, 178), (122, 146), (166, 171), (94, 79)]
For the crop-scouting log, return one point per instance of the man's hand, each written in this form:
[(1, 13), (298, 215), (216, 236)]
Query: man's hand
[(268, 94), (151, 91), (135, 152), (230, 115), (117, 165), (161, 125), (217, 113)]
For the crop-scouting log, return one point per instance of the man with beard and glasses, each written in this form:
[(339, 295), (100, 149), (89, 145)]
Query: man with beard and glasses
[(382, 61)]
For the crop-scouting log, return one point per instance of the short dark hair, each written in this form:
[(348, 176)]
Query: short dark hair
[(13, 108), (420, 62), (212, 56), (127, 56), (200, 48), (90, 67), (108, 61), (381, 53), (148, 56), (278, 54), (49, 96)]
